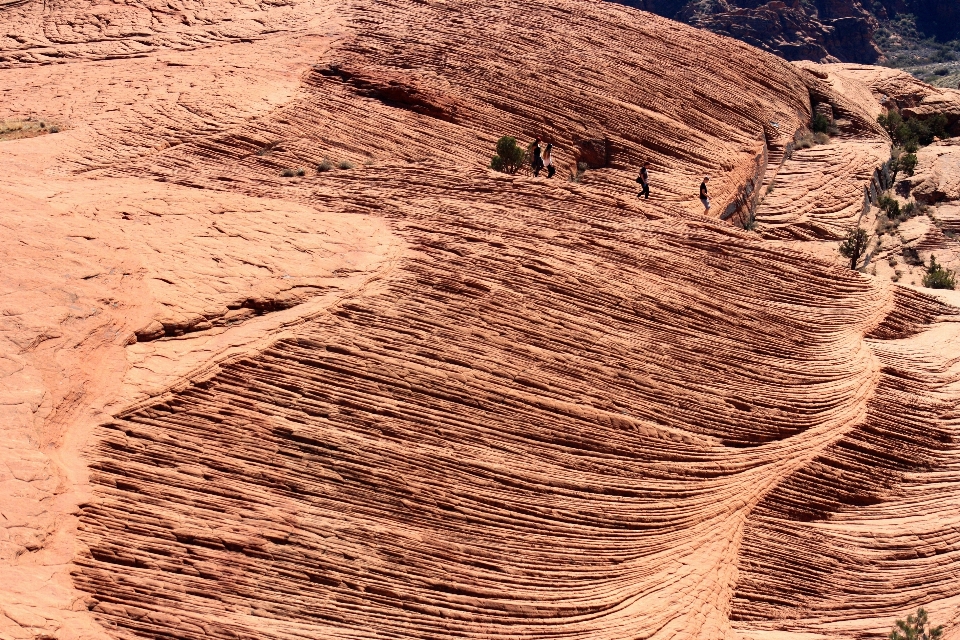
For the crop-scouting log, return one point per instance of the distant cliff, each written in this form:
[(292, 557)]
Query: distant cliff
[(819, 30)]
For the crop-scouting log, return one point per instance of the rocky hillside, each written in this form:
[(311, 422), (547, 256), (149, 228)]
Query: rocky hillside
[(281, 357), (822, 30)]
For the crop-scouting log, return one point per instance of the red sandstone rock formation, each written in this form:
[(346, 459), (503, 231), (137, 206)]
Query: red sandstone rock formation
[(416, 398)]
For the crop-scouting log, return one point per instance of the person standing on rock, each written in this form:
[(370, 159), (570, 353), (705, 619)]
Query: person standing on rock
[(536, 162), (548, 160), (644, 180), (704, 196)]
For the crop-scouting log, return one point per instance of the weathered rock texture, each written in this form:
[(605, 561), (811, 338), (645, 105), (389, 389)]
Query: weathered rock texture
[(821, 31), (826, 30), (418, 399)]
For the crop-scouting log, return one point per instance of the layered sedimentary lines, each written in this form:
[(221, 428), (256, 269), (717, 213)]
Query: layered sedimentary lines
[(392, 92), (873, 510), (413, 398), (485, 447), (819, 192)]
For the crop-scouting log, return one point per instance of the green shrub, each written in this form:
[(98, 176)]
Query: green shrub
[(854, 245), (889, 206), (820, 123), (911, 210), (510, 156), (908, 163), (913, 132), (891, 122), (900, 161), (325, 165), (938, 126), (916, 627), (939, 278)]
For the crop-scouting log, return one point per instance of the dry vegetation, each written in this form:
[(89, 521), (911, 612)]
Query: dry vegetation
[(18, 129)]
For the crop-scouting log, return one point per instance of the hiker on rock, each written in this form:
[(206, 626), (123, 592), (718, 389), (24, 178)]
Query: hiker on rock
[(644, 180), (536, 161), (548, 160), (704, 196)]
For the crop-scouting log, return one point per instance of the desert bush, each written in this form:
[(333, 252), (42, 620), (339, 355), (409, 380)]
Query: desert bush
[(913, 132), (892, 261), (916, 627), (911, 256), (301, 172), (54, 129), (943, 55), (908, 163), (854, 245), (889, 206), (900, 161), (804, 141), (939, 278), (325, 165), (911, 210), (885, 225), (510, 156), (288, 173), (346, 164), (821, 138), (820, 123)]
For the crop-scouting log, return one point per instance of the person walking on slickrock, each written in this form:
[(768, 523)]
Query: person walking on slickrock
[(548, 160), (704, 196), (536, 160), (644, 180)]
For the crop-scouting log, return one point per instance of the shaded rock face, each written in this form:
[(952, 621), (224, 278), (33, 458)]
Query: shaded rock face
[(830, 30), (823, 31), (937, 18), (594, 151)]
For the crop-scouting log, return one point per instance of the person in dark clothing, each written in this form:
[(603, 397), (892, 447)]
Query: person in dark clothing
[(536, 161), (704, 196), (644, 180), (548, 160)]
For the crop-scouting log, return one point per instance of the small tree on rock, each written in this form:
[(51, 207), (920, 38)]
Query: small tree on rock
[(916, 627), (510, 156), (937, 277), (854, 245)]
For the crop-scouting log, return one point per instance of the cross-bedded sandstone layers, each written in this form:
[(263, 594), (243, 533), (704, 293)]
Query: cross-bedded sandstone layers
[(544, 409), (869, 526), (487, 445), (416, 81)]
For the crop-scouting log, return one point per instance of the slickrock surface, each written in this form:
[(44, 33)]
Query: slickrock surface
[(898, 88), (417, 399), (937, 177)]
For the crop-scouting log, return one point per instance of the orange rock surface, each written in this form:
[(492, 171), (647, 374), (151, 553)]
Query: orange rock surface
[(415, 398)]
